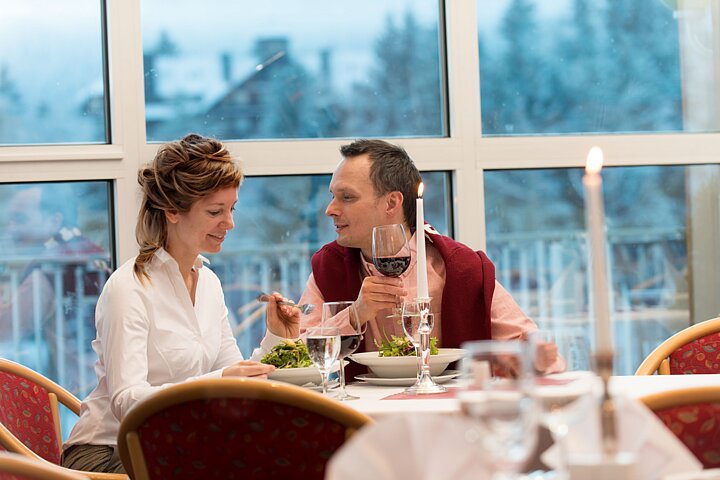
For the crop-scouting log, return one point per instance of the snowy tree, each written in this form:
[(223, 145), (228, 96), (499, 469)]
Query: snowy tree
[(402, 96)]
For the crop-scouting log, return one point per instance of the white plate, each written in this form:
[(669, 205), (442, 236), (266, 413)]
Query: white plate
[(299, 376), (446, 376), (296, 376), (406, 367)]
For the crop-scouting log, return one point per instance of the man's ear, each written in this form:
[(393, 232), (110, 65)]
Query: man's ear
[(172, 216), (394, 203)]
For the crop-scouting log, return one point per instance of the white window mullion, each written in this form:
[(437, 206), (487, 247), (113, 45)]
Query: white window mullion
[(127, 115)]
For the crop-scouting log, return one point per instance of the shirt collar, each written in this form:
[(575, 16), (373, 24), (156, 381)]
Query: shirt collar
[(164, 257)]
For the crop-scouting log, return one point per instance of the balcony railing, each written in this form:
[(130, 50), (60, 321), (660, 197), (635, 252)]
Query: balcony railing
[(546, 273)]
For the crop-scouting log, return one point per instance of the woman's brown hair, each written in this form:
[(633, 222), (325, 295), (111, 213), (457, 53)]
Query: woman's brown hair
[(181, 173)]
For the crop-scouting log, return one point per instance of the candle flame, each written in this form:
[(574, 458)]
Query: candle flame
[(421, 189), (594, 160)]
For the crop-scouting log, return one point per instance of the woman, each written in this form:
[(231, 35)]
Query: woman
[(161, 318)]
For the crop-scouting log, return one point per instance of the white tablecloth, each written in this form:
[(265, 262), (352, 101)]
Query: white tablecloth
[(408, 446), (371, 402)]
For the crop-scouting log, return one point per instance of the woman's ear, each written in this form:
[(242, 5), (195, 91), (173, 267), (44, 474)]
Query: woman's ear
[(172, 216)]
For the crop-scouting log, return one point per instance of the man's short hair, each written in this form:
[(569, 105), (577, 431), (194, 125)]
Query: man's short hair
[(391, 169)]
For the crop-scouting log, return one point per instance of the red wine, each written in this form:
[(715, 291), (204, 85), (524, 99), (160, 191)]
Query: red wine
[(348, 344), (391, 266)]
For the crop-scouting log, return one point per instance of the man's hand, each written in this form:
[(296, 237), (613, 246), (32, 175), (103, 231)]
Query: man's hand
[(378, 293), (282, 320), (546, 354), (544, 350), (247, 368)]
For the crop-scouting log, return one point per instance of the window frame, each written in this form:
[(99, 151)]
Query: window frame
[(465, 153)]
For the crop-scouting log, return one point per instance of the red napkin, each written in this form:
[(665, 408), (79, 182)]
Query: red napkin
[(431, 396), (554, 381)]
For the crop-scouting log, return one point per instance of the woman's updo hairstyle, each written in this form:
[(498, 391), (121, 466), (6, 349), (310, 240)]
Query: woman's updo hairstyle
[(181, 173)]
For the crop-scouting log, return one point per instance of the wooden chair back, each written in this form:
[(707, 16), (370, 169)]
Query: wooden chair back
[(693, 350), (234, 428), (693, 415)]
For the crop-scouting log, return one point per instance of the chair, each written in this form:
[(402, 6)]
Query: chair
[(695, 349), (29, 415), (693, 415), (234, 428), (19, 467)]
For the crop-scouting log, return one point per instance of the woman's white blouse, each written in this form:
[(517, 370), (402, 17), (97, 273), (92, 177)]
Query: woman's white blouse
[(152, 336)]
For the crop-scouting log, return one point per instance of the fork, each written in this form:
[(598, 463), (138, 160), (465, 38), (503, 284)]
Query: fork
[(304, 308)]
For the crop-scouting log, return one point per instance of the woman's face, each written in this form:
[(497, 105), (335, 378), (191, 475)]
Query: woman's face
[(203, 228)]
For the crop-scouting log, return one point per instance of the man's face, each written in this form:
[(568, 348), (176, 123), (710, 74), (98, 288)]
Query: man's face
[(355, 207)]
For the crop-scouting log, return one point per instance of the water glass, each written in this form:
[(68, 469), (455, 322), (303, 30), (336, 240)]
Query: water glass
[(497, 402), (418, 322), (566, 398), (323, 344), (351, 334)]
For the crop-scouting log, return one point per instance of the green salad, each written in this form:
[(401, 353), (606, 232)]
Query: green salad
[(288, 354), (401, 346)]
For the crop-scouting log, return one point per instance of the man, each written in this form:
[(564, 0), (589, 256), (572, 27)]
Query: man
[(376, 184)]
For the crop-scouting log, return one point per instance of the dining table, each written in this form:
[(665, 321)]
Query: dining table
[(400, 417), (380, 401)]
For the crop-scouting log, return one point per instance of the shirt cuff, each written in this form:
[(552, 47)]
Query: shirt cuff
[(211, 375)]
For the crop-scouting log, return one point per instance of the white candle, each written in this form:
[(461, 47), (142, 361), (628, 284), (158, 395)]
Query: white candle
[(422, 283), (595, 221)]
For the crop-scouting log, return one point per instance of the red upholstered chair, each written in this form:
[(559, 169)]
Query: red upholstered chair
[(693, 415), (29, 417), (19, 467), (234, 428), (695, 349)]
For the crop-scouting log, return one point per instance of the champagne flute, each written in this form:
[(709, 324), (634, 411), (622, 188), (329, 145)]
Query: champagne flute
[(391, 252), (323, 344), (498, 404), (418, 321), (351, 333)]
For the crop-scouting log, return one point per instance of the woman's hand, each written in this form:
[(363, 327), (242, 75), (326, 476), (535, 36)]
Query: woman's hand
[(282, 320), (248, 368)]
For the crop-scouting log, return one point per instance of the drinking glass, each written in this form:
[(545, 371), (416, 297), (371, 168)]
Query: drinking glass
[(351, 334), (497, 402), (391, 252), (418, 321), (323, 344), (564, 399)]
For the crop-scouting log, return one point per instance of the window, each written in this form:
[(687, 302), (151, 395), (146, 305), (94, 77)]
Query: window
[(288, 69), (595, 66), (537, 239), (279, 224), (52, 87), (356, 70), (55, 256)]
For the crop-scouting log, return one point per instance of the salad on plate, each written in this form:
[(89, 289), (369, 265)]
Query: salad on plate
[(401, 347)]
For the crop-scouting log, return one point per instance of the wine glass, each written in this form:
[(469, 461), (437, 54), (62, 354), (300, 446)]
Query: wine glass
[(498, 404), (391, 252), (566, 398), (418, 321), (351, 334), (323, 344)]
